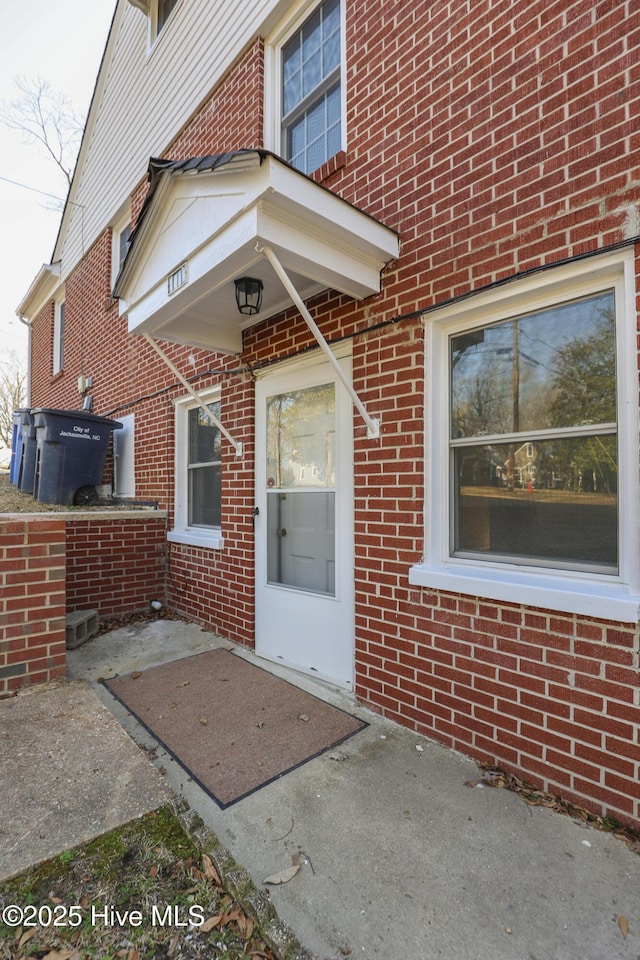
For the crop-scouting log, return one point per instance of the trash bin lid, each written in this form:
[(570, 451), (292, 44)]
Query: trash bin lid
[(77, 415)]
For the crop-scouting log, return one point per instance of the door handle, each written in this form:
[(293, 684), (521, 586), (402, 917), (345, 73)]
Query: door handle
[(254, 513), (281, 533)]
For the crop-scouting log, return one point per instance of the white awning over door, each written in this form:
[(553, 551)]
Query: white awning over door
[(206, 223)]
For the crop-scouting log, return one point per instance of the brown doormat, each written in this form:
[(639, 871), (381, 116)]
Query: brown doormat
[(232, 726)]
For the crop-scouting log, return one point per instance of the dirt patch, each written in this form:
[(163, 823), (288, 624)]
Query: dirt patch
[(144, 890), (14, 500)]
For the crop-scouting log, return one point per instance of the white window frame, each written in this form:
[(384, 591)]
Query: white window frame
[(124, 474), (615, 597), (154, 34), (209, 537), (118, 228), (274, 42), (59, 311)]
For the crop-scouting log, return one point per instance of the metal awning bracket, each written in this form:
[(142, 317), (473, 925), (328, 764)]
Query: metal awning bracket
[(237, 444), (373, 424)]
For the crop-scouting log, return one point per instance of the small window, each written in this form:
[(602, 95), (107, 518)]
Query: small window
[(58, 337), (159, 14), (204, 468), (120, 238), (123, 244), (164, 12), (311, 90), (198, 465)]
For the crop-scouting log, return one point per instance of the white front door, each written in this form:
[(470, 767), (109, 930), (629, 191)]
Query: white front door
[(304, 524)]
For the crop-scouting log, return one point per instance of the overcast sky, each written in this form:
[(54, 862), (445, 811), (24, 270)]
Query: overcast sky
[(61, 42)]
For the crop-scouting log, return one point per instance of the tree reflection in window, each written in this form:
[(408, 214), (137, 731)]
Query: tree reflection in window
[(533, 430)]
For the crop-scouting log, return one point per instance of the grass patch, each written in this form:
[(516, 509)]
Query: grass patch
[(141, 891)]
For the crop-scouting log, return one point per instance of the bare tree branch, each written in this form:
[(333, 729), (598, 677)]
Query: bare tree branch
[(46, 117), (13, 392)]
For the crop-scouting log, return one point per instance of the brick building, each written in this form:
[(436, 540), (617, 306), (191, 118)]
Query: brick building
[(411, 469)]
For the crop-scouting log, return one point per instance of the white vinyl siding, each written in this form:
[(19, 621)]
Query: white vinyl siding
[(117, 147)]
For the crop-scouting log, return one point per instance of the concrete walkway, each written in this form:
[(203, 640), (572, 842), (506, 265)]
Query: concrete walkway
[(401, 857)]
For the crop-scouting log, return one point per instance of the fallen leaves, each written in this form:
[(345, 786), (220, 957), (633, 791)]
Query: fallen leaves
[(623, 923), (495, 777), (283, 876), (156, 863), (210, 871)]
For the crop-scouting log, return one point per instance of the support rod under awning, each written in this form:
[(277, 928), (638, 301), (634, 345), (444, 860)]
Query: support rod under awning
[(237, 444), (373, 425)]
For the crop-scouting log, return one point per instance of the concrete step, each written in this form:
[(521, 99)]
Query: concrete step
[(81, 626)]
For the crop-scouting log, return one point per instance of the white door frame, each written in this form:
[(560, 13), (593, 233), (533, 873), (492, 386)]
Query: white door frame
[(312, 633)]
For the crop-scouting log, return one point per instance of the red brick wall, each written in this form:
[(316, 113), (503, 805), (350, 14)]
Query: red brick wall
[(495, 138), (547, 696), (32, 601), (115, 564), (216, 586), (42, 356), (233, 117)]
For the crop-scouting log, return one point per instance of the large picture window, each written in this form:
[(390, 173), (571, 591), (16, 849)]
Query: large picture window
[(531, 433), (533, 437), (311, 90)]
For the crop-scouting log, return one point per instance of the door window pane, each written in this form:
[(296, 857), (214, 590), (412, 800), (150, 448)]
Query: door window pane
[(300, 489), (301, 438)]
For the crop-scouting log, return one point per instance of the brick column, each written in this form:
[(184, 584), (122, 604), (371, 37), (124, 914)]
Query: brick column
[(32, 601)]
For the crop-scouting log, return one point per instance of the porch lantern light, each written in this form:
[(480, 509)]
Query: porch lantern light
[(248, 295)]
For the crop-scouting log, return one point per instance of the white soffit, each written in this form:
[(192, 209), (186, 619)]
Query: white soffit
[(205, 227)]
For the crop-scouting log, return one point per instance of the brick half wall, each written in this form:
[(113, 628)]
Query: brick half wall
[(116, 561), (32, 601)]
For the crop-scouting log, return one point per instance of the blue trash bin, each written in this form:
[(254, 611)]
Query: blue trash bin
[(26, 474), (71, 447), (16, 445)]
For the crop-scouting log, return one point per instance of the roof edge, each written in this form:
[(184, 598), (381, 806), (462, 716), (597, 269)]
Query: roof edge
[(42, 289)]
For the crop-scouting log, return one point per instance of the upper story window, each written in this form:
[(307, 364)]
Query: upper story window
[(120, 237), (164, 8), (58, 336), (532, 452), (311, 88)]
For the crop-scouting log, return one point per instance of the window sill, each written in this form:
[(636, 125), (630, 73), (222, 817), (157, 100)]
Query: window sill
[(594, 598), (207, 539)]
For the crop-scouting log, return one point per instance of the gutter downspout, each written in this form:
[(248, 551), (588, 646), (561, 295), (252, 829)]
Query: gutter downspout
[(373, 425), (237, 444)]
